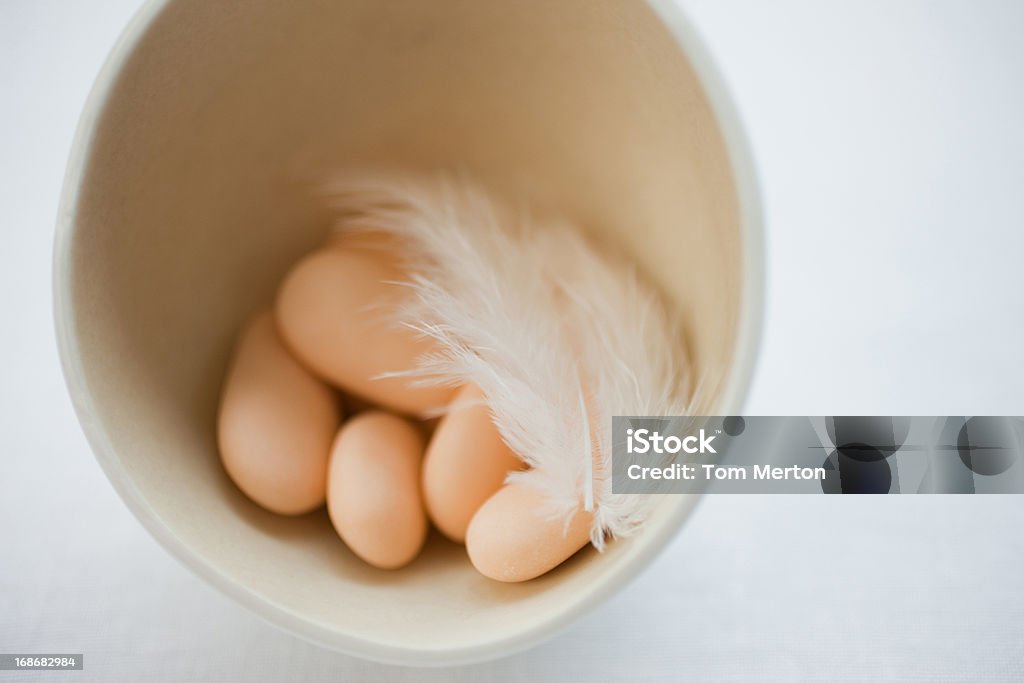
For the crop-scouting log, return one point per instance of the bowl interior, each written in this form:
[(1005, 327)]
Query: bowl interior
[(193, 196)]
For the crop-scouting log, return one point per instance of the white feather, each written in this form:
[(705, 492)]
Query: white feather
[(558, 337)]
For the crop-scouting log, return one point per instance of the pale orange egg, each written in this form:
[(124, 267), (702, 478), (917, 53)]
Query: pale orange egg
[(373, 489), (336, 312), (512, 538), (276, 423), (466, 462)]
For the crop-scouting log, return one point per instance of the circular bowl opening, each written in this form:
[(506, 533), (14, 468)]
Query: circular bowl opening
[(188, 196)]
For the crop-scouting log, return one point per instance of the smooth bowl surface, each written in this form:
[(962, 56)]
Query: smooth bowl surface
[(188, 195)]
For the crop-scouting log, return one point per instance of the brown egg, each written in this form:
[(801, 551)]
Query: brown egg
[(373, 489), (276, 423), (512, 539), (335, 311), (466, 462)]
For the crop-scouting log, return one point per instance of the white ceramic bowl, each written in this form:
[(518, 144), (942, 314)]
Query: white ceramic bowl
[(187, 197)]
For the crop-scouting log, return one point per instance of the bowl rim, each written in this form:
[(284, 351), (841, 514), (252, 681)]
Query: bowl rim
[(737, 384)]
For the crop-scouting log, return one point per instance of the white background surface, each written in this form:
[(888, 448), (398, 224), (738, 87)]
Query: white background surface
[(890, 141)]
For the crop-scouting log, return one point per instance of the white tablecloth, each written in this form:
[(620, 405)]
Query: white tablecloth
[(891, 149)]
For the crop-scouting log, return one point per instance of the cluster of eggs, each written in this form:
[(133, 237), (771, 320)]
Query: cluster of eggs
[(383, 473)]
